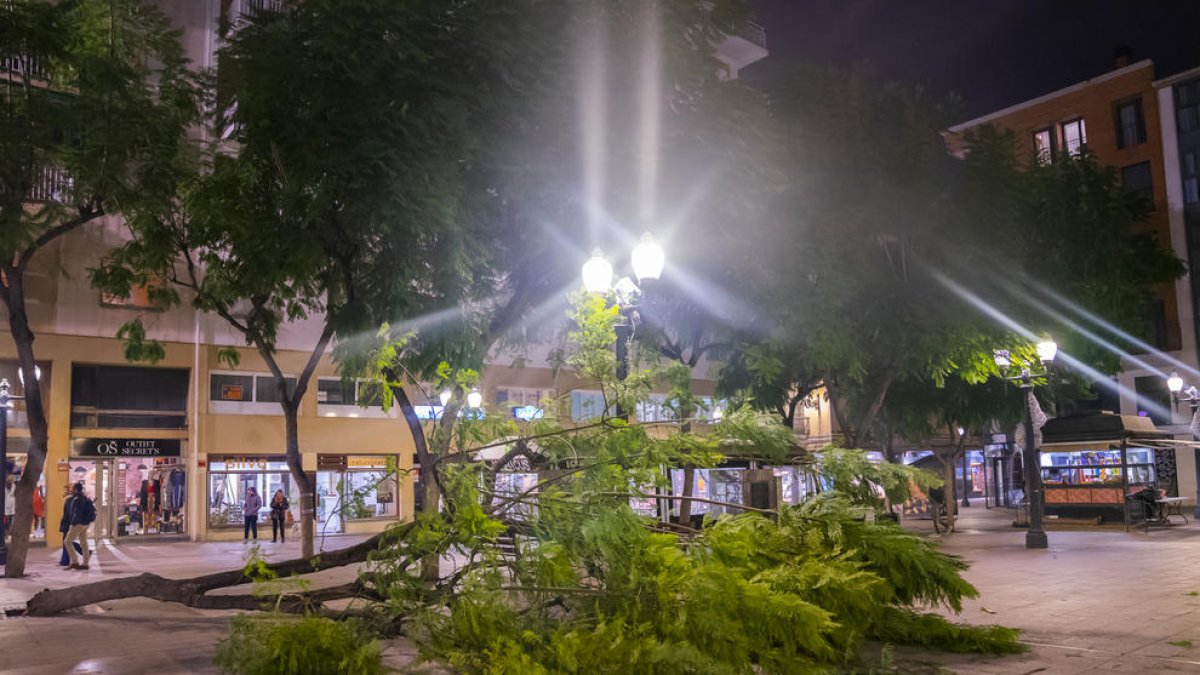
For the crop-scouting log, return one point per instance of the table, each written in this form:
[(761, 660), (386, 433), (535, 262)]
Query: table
[(1170, 506)]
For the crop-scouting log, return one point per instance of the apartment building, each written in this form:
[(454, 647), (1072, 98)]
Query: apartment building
[(1146, 129), (169, 449)]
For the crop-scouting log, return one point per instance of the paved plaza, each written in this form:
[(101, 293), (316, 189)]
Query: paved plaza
[(1096, 601)]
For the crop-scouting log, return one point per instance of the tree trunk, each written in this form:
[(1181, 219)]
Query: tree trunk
[(39, 431), (308, 512), (689, 483), (191, 591), (422, 447), (949, 491)]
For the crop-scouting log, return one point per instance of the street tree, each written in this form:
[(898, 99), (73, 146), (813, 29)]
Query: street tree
[(794, 589), (97, 97)]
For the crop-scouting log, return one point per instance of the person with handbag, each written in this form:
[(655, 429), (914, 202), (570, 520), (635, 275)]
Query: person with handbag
[(279, 516)]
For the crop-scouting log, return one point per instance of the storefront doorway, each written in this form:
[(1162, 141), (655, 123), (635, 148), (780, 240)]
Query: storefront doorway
[(139, 486)]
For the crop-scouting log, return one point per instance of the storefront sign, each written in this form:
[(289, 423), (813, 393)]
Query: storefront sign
[(64, 465), (232, 392), (127, 447), (331, 462), (368, 462)]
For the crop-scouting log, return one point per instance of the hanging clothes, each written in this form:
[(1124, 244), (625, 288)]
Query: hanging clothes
[(176, 489)]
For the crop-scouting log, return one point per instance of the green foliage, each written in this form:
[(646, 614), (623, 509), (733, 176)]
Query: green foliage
[(932, 630), (852, 474), (310, 645)]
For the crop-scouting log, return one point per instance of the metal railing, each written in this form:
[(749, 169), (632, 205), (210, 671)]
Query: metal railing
[(52, 184), (24, 64), (250, 7), (754, 32)]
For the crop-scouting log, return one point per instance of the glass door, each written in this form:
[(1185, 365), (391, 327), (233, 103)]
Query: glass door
[(330, 504), (98, 485)]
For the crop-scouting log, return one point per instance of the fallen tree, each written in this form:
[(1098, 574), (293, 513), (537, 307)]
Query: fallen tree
[(193, 592)]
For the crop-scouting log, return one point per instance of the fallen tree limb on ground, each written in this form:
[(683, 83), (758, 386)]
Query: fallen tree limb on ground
[(192, 592)]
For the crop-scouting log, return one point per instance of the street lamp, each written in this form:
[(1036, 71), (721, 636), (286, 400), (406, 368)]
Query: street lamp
[(1046, 351), (474, 399), (647, 260), (1192, 396), (6, 399)]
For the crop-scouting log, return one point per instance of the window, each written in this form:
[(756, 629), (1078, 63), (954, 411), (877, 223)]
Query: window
[(336, 392), (587, 405), (232, 387), (245, 393), (1153, 399), (1074, 134), (127, 397), (1136, 181), (140, 297), (1131, 126), (267, 391), (525, 403), (1191, 186), (656, 409), (1156, 324), (1043, 146), (1187, 107), (229, 480)]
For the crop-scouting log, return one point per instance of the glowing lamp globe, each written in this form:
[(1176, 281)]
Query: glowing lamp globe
[(626, 290), (445, 397), (648, 258), (597, 273), (1175, 383), (474, 399), (1047, 350)]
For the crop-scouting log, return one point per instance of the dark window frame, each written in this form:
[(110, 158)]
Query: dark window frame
[(1046, 156), (1146, 191), (1138, 130)]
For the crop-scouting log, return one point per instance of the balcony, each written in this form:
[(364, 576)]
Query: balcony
[(742, 48), (20, 66), (52, 184)]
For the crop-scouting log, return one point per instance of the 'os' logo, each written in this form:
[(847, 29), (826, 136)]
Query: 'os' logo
[(107, 448)]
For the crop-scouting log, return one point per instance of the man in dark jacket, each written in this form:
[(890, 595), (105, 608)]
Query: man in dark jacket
[(78, 515)]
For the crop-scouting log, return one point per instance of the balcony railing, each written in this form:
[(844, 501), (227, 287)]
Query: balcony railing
[(755, 33), (51, 184), (250, 7), (24, 65)]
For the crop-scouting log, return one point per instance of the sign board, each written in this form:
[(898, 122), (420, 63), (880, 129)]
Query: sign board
[(368, 462), (126, 447), (64, 465), (331, 462), (232, 392)]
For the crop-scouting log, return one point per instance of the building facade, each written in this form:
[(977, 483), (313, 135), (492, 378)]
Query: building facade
[(1128, 120), (170, 449)]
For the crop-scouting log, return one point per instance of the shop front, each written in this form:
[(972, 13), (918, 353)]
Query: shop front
[(354, 493), (139, 484), (1091, 465), (18, 455)]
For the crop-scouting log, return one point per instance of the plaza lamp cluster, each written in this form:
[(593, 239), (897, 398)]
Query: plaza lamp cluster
[(647, 260), (6, 403), (1047, 349), (1190, 394)]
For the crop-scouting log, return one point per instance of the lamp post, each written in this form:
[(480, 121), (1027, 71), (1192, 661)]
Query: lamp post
[(1192, 396), (1046, 351), (6, 399), (966, 500), (647, 260)]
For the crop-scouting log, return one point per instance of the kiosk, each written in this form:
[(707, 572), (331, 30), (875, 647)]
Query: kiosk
[(1091, 464)]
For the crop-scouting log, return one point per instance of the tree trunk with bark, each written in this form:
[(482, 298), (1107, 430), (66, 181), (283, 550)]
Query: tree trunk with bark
[(12, 293), (191, 592)]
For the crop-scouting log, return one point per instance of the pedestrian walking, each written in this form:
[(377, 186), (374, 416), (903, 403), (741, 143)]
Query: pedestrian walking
[(250, 511), (279, 514), (79, 514)]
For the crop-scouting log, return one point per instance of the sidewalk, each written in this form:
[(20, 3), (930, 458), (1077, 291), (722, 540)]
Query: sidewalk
[(1096, 601), (135, 635), (1099, 600)]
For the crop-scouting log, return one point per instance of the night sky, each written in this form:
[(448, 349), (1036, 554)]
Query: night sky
[(992, 52)]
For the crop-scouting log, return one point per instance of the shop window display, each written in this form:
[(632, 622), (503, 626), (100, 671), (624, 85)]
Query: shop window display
[(229, 479), (365, 489), (16, 469)]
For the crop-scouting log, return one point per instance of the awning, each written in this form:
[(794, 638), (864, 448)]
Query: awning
[(1084, 446)]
